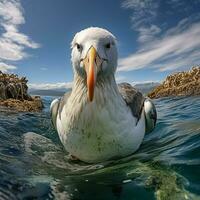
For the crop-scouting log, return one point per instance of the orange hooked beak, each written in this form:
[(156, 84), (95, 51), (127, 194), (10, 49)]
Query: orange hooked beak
[(90, 63)]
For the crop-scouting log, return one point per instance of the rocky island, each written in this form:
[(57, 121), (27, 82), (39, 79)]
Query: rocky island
[(179, 84), (14, 94)]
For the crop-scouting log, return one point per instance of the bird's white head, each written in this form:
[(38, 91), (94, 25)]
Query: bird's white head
[(94, 56)]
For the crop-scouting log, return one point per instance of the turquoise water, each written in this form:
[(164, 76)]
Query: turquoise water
[(34, 165)]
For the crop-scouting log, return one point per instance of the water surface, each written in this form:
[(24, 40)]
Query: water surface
[(34, 165)]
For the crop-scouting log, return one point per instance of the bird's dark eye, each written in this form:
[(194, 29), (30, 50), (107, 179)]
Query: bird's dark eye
[(108, 46), (78, 46)]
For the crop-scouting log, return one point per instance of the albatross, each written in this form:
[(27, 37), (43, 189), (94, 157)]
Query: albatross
[(98, 119)]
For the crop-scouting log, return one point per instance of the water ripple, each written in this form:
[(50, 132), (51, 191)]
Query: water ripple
[(33, 163)]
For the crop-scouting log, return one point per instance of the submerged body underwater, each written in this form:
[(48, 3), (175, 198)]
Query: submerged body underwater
[(34, 164)]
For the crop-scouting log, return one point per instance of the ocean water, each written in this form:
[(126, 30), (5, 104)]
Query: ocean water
[(34, 165)]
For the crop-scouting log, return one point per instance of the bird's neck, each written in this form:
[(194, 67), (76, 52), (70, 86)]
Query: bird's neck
[(105, 88), (106, 97)]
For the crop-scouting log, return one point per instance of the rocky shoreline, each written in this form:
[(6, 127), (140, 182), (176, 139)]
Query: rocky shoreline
[(179, 84), (14, 94)]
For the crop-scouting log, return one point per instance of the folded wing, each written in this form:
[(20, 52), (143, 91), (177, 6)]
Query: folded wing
[(137, 102), (57, 106)]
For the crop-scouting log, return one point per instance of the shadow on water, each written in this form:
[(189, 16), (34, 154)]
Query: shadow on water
[(34, 165)]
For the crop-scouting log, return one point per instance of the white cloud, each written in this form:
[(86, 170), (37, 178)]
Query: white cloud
[(43, 68), (120, 78), (50, 86), (141, 9), (11, 12), (175, 49), (163, 47), (145, 82), (144, 12), (147, 34), (21, 39), (12, 42), (185, 60), (4, 67)]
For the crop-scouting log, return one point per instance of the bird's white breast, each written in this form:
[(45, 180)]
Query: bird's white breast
[(100, 131)]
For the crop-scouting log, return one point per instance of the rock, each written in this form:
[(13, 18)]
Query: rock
[(14, 94), (179, 84), (2, 91), (33, 105)]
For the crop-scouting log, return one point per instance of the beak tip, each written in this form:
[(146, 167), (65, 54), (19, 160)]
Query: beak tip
[(90, 98)]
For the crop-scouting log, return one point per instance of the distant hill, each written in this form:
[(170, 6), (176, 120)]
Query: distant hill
[(142, 87), (145, 88), (48, 92)]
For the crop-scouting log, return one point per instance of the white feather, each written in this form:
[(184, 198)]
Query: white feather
[(53, 103)]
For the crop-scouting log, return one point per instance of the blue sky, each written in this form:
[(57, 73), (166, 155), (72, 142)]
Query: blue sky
[(155, 38)]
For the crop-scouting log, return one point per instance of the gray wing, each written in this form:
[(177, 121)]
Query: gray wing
[(133, 98), (57, 106), (137, 102)]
